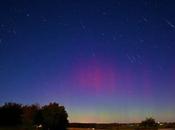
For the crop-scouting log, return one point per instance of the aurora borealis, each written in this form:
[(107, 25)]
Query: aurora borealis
[(104, 60)]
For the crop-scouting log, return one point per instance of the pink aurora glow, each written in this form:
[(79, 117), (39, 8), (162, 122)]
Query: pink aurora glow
[(94, 75)]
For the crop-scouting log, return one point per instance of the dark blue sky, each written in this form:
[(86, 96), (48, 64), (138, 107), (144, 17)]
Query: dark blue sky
[(104, 60)]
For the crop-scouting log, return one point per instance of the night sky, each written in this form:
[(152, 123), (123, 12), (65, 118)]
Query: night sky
[(104, 60)]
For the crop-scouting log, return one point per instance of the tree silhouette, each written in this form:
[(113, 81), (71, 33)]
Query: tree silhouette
[(54, 117), (10, 114), (38, 118), (29, 113)]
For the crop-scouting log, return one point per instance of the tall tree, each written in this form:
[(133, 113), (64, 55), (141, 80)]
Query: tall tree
[(54, 117)]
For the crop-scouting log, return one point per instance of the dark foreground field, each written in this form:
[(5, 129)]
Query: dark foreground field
[(18, 128), (114, 129)]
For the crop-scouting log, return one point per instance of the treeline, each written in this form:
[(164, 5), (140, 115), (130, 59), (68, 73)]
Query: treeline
[(147, 124), (51, 116)]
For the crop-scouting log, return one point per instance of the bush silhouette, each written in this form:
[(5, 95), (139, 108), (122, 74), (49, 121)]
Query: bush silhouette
[(148, 123)]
